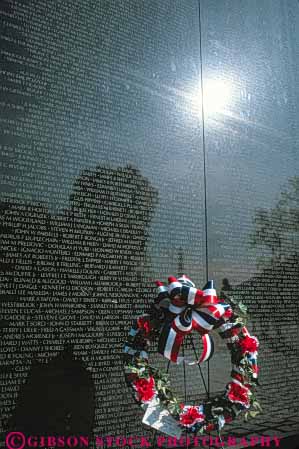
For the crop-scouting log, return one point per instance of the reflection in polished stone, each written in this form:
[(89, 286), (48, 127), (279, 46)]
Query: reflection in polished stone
[(103, 184), (252, 180), (216, 99)]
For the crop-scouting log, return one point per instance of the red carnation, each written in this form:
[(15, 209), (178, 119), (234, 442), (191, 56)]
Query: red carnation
[(145, 389), (248, 344), (191, 416), (238, 377), (238, 393), (228, 313), (144, 324)]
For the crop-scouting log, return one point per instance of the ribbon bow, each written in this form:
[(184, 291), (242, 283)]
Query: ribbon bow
[(191, 309)]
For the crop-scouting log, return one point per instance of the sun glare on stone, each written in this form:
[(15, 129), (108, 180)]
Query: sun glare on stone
[(216, 97)]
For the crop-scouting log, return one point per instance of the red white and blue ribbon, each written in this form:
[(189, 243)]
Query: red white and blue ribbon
[(192, 309)]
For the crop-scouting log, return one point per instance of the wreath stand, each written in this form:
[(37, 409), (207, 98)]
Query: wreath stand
[(206, 388)]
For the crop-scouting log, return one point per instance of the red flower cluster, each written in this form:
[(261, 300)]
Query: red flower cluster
[(228, 313), (145, 389), (248, 344), (238, 377), (191, 416), (144, 324), (238, 393)]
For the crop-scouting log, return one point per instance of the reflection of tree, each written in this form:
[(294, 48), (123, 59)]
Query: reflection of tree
[(272, 295), (75, 277), (277, 228)]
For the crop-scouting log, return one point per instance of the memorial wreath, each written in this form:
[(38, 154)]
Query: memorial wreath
[(178, 309)]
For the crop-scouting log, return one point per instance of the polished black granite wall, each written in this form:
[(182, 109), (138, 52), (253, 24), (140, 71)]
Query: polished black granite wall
[(112, 175)]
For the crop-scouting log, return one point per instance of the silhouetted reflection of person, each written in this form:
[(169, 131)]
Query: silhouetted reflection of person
[(226, 289), (57, 398)]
